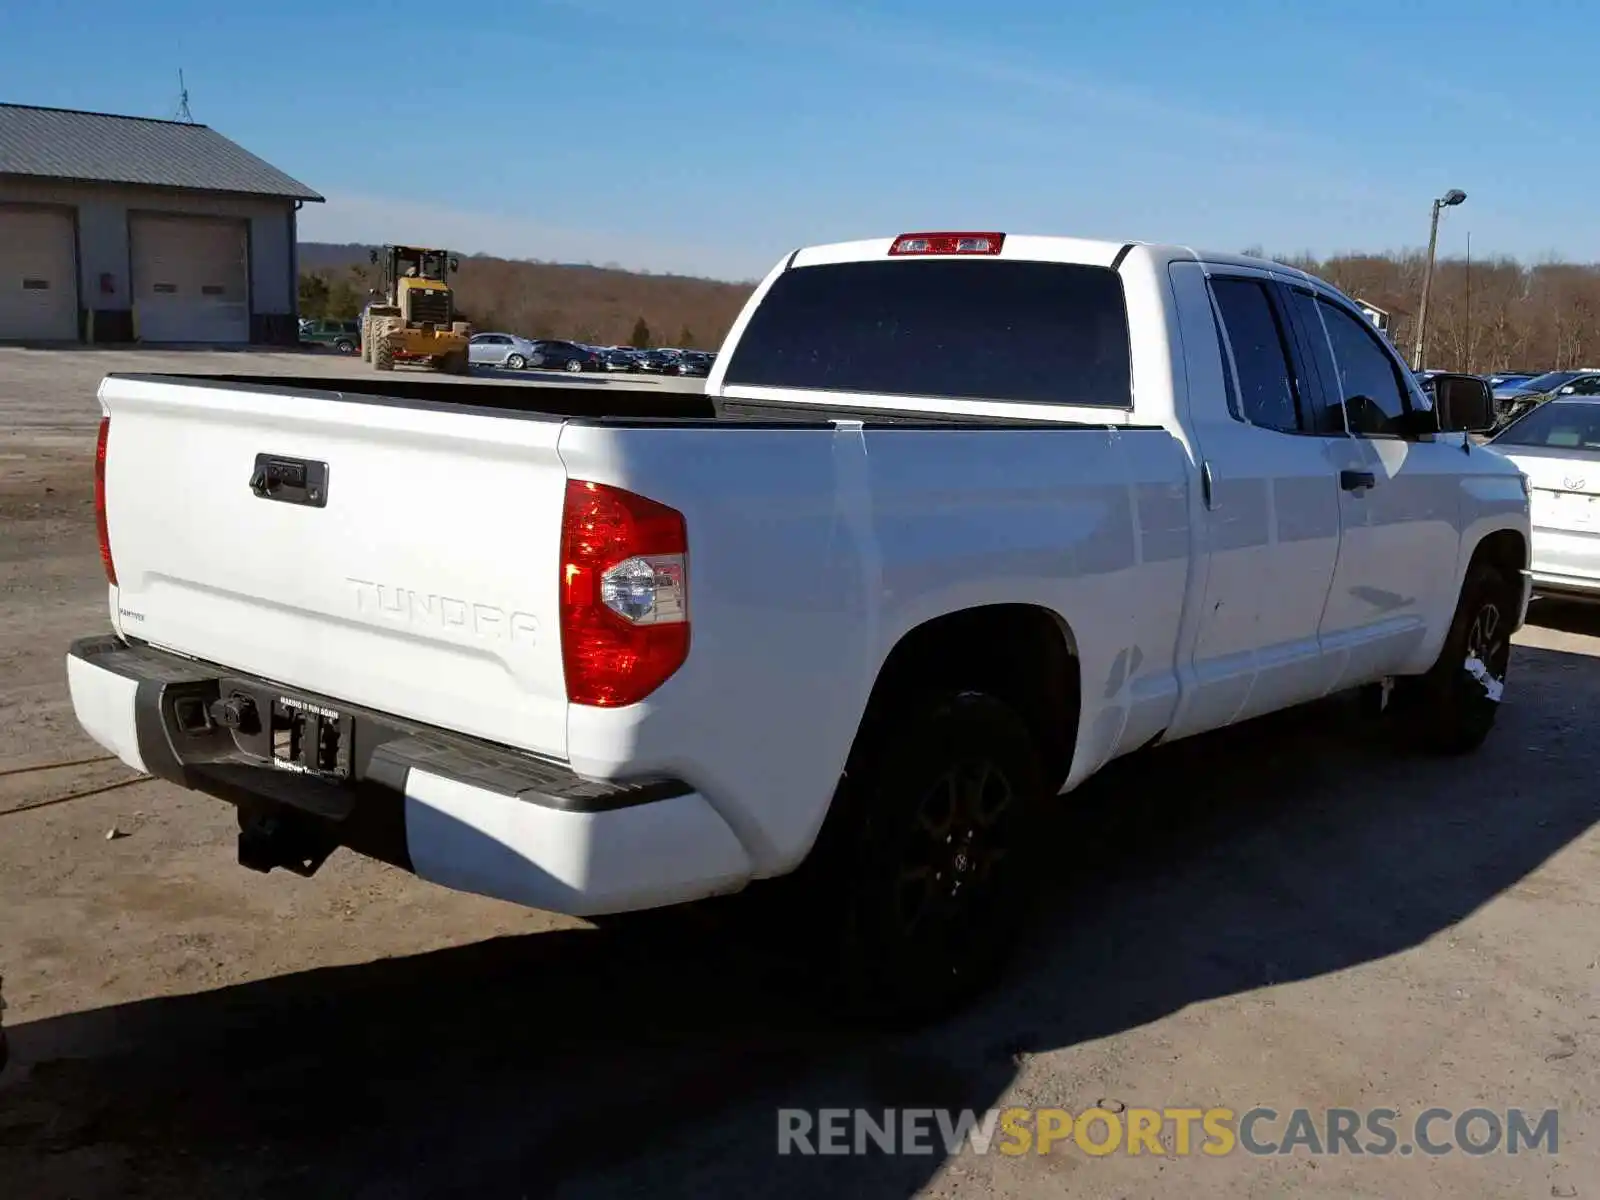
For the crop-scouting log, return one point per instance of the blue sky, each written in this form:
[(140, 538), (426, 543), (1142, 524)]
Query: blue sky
[(712, 136)]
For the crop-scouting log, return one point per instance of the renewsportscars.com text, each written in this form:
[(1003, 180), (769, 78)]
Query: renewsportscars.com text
[(1181, 1132)]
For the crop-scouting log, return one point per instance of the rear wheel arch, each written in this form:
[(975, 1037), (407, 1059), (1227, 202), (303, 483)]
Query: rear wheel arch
[(996, 687), (1023, 655)]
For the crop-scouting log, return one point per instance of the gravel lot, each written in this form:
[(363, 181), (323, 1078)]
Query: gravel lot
[(1284, 914)]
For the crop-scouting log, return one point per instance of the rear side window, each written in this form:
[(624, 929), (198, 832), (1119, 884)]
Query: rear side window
[(1260, 356), (1042, 333)]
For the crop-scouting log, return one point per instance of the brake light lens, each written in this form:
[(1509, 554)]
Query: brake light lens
[(101, 528), (624, 594), (948, 243)]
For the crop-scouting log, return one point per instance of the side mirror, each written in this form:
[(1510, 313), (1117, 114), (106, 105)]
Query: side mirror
[(455, 264), (374, 255), (1568, 390), (1463, 403)]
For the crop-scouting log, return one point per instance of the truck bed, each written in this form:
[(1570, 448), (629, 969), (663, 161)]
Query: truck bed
[(415, 568), (593, 403)]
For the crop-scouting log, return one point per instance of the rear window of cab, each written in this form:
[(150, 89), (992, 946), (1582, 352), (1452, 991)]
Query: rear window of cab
[(991, 329)]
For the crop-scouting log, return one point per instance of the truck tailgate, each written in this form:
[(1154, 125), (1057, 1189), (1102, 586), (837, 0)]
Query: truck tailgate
[(422, 581)]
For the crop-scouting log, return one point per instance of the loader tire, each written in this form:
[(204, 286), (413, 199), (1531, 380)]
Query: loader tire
[(382, 349)]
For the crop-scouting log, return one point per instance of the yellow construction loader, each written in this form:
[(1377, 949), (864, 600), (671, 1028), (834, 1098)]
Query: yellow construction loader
[(411, 317)]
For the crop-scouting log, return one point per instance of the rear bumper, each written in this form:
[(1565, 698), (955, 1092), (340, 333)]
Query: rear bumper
[(1554, 585), (465, 814)]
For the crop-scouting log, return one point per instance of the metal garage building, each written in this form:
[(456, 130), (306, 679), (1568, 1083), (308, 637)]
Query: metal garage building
[(118, 229)]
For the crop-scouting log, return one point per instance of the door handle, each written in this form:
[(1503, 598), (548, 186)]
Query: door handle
[(1355, 481), (290, 480), (1206, 494)]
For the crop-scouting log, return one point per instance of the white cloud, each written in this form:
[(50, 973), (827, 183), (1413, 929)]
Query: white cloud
[(348, 217)]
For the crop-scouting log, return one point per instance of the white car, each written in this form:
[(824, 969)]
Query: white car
[(958, 520), (1557, 446), (501, 350)]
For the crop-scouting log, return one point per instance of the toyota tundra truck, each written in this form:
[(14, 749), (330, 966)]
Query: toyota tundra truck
[(959, 519)]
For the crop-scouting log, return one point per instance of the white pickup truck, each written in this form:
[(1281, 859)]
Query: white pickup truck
[(959, 519)]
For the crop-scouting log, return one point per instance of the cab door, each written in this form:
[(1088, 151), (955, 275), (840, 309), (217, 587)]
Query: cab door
[(1400, 508), (1268, 469)]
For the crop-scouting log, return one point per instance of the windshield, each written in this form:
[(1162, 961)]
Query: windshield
[(1559, 424), (1548, 382)]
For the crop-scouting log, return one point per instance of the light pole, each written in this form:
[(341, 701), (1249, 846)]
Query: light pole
[(1449, 200)]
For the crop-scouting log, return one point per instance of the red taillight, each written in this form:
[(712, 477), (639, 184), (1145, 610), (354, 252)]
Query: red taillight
[(948, 243), (100, 501), (624, 594)]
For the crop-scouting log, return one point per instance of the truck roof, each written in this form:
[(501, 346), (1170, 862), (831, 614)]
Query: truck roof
[(1041, 247)]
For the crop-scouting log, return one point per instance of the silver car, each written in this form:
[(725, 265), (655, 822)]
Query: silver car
[(1557, 446), (500, 350)]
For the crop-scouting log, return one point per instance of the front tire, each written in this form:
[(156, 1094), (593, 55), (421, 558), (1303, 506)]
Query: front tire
[(924, 875), (382, 349), (1452, 708)]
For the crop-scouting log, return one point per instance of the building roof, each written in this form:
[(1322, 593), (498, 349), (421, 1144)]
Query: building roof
[(59, 143)]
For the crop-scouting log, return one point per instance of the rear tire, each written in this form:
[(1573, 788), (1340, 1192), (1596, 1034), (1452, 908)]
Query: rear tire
[(344, 345), (1452, 708), (574, 365), (515, 362), (919, 886)]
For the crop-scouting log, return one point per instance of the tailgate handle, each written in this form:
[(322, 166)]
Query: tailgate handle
[(290, 480)]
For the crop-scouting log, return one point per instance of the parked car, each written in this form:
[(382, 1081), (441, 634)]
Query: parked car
[(1140, 496), (657, 361), (691, 362), (1541, 385), (551, 355), (1510, 379), (619, 358), (1512, 403), (500, 350), (1557, 446), (343, 336)]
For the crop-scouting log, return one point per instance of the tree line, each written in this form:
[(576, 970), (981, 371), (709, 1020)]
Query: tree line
[(1483, 316)]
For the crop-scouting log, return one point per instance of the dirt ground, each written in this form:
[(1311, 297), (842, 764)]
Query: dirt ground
[(1285, 914)]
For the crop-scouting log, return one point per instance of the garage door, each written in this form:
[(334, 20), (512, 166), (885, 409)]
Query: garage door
[(191, 279), (38, 275)]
